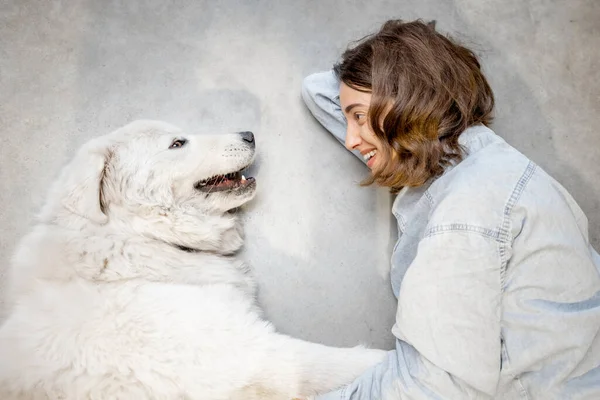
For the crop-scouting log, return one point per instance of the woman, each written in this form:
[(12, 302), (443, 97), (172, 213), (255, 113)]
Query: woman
[(498, 287)]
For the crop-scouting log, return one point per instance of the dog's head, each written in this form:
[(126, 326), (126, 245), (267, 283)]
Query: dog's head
[(151, 169)]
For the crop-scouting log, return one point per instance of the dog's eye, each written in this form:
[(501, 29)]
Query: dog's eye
[(177, 143)]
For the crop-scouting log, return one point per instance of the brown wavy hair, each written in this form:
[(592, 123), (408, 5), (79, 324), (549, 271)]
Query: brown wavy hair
[(426, 90)]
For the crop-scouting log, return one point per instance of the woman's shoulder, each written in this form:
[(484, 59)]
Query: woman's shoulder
[(481, 189), (494, 190)]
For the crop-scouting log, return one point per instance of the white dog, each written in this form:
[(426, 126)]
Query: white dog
[(127, 287)]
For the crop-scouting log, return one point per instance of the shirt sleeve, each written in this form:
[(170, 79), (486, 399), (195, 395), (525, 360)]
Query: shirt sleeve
[(447, 324), (321, 94)]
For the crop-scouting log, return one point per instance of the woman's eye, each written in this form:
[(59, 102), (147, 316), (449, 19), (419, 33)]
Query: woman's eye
[(177, 143), (359, 116)]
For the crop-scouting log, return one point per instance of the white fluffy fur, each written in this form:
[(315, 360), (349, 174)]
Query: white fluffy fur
[(105, 303)]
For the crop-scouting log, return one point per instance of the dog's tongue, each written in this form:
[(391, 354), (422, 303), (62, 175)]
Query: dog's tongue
[(224, 182), (227, 181)]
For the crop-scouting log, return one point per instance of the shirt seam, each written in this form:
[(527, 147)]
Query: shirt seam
[(401, 221), (343, 394), (505, 227), (458, 227), (504, 242), (514, 197), (429, 198)]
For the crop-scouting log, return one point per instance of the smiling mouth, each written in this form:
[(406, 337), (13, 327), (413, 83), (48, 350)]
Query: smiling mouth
[(227, 182), (369, 155)]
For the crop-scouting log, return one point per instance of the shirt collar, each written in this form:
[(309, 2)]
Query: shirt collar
[(476, 137)]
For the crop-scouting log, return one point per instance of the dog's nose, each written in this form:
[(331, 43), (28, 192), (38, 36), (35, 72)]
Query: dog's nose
[(247, 136)]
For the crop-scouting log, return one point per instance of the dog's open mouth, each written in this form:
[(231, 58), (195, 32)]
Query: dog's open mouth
[(220, 183)]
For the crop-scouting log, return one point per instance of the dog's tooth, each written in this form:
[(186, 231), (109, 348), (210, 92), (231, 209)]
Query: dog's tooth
[(243, 178)]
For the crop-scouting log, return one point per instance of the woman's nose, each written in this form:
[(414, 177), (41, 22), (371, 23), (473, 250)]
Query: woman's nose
[(352, 138)]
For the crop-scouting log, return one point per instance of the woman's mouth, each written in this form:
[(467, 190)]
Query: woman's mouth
[(370, 158)]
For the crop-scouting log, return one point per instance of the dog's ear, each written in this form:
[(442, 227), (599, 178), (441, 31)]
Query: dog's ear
[(83, 178)]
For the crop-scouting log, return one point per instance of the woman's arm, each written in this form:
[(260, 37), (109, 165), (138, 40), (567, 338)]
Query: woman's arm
[(447, 325), (321, 94)]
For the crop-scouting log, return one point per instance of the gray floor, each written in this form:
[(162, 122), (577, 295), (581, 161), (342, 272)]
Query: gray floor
[(70, 70)]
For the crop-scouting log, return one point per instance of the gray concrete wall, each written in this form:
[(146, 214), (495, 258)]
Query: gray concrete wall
[(71, 70)]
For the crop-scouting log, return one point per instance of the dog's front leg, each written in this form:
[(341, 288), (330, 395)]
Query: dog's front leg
[(301, 369)]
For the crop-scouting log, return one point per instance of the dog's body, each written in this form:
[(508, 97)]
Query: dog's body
[(128, 286)]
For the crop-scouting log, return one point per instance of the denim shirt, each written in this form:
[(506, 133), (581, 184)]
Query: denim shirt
[(498, 287)]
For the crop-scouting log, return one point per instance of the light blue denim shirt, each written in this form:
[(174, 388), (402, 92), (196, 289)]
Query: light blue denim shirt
[(498, 287)]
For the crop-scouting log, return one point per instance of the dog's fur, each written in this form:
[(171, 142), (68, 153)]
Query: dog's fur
[(128, 286)]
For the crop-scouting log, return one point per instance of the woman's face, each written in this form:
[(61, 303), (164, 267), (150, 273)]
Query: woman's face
[(359, 135)]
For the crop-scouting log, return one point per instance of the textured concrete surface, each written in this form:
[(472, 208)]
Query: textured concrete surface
[(70, 70)]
